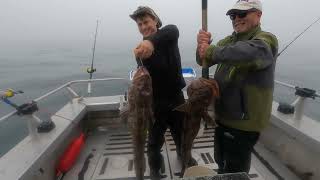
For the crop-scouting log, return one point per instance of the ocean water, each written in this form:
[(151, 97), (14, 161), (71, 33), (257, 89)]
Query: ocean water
[(36, 70)]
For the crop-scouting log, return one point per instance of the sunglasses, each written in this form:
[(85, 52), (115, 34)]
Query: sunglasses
[(240, 15)]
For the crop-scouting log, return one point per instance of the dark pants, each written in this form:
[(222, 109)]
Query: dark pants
[(165, 118), (233, 148)]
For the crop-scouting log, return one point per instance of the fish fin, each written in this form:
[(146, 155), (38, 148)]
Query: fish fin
[(182, 108), (208, 119)]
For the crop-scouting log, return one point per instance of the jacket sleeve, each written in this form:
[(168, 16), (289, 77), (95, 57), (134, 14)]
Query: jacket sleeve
[(164, 35), (258, 53), (209, 60)]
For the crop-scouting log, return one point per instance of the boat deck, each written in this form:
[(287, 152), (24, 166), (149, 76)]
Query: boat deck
[(108, 156)]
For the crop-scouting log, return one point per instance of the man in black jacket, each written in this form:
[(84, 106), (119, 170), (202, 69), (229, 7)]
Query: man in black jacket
[(160, 54)]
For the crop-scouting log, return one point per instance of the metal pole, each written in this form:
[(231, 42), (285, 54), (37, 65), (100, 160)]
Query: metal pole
[(285, 84), (205, 68)]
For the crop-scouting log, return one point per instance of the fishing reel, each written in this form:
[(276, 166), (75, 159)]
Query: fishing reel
[(305, 92), (91, 70)]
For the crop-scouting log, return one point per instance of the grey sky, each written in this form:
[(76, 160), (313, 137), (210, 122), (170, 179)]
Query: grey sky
[(72, 22)]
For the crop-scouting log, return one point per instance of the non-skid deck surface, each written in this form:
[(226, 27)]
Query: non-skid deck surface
[(108, 156)]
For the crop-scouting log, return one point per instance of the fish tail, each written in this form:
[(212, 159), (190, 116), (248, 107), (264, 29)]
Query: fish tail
[(139, 158)]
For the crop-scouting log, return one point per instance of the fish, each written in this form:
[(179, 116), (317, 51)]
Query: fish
[(140, 116), (202, 94)]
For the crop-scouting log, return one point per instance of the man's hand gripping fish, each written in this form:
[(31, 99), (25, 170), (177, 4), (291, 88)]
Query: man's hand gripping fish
[(140, 116), (201, 93)]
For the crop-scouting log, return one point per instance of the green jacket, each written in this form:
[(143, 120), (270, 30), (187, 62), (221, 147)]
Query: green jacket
[(245, 73)]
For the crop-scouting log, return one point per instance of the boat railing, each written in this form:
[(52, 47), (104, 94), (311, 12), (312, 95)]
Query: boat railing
[(48, 123), (34, 122), (299, 103)]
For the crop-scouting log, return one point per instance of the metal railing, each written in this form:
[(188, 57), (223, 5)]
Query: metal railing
[(33, 119), (300, 103)]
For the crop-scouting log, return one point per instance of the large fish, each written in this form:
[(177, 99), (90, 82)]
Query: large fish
[(201, 94), (140, 116)]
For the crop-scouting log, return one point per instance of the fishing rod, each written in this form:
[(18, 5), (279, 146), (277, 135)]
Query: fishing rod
[(205, 67), (91, 70), (298, 37), (303, 92)]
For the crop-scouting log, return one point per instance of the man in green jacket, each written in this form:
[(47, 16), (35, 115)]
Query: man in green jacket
[(245, 73)]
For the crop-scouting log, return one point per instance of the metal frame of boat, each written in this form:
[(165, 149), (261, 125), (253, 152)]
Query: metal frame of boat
[(287, 149)]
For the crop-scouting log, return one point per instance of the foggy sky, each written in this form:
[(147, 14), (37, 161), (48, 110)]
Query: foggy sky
[(40, 25), (54, 21)]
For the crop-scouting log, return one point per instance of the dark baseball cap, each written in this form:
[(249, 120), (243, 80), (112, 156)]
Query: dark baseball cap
[(142, 10)]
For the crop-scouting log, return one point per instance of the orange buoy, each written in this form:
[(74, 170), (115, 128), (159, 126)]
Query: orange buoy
[(70, 155)]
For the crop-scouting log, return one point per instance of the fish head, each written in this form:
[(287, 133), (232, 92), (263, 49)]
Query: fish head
[(198, 92), (201, 93), (142, 83)]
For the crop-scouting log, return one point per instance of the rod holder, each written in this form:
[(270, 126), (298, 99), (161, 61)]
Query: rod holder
[(32, 123), (299, 105)]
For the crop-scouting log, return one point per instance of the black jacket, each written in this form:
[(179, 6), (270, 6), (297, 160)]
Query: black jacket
[(164, 65)]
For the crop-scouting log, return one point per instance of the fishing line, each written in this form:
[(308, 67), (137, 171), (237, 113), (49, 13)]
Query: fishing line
[(298, 36), (141, 61)]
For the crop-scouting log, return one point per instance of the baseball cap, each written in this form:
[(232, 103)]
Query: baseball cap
[(145, 10), (245, 5)]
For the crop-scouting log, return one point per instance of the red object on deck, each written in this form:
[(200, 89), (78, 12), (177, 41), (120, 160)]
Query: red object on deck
[(70, 155)]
